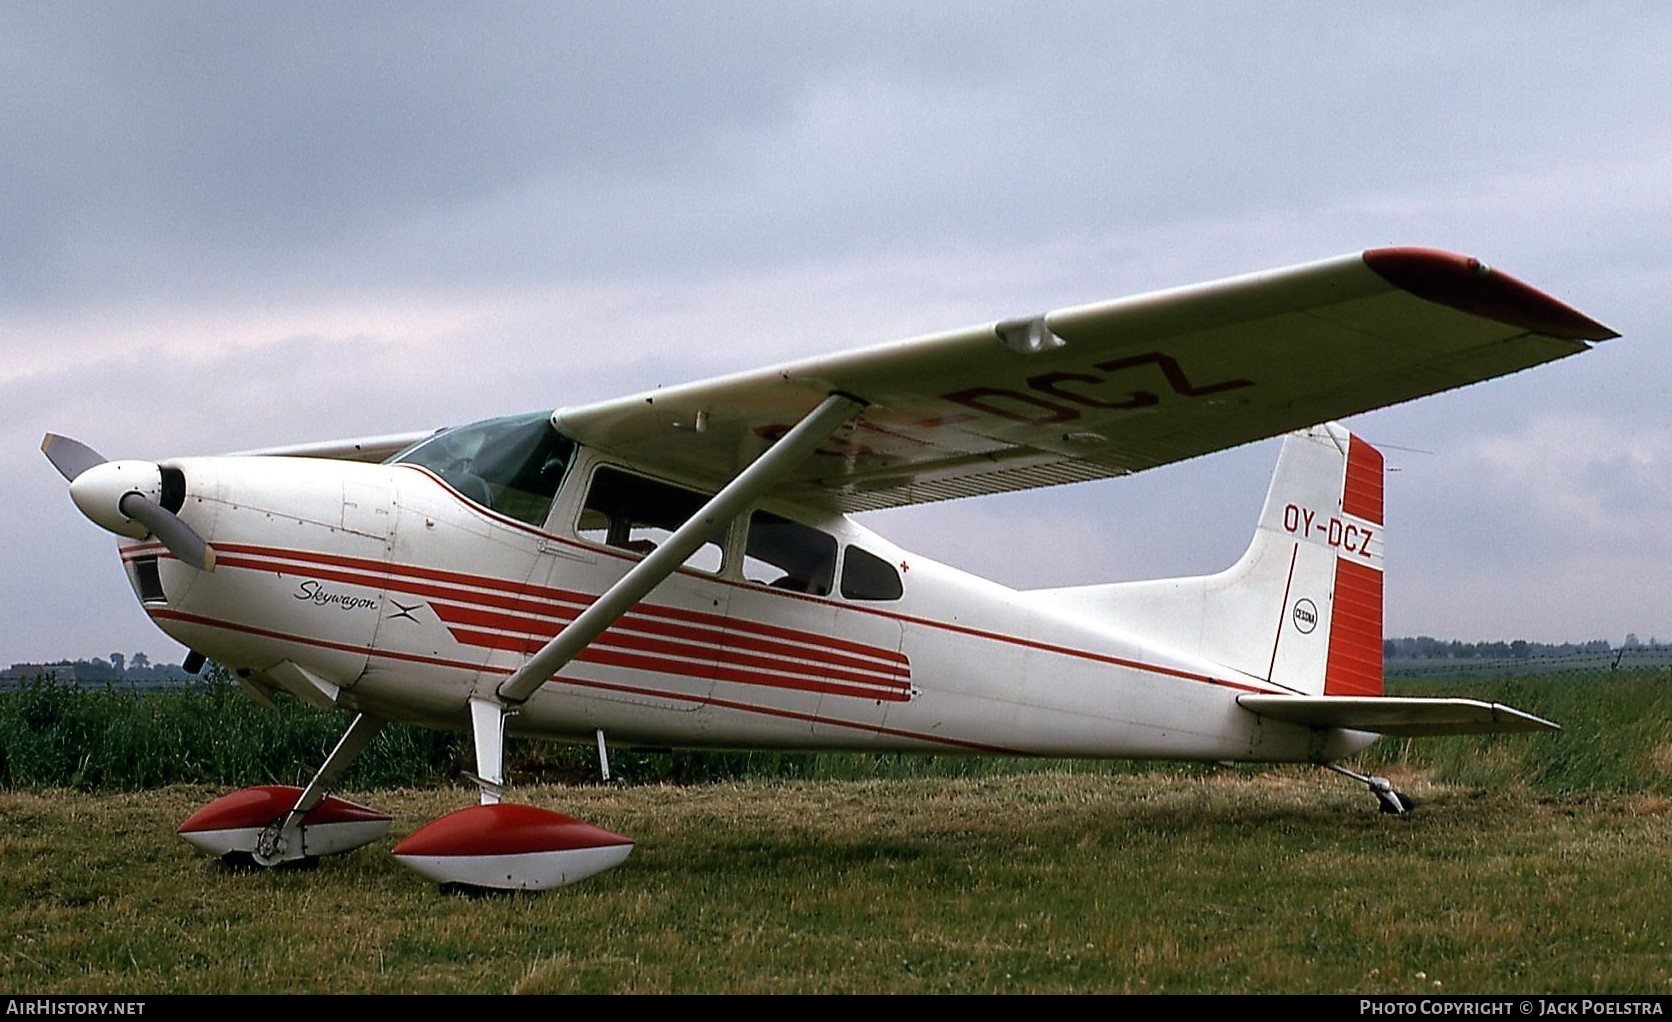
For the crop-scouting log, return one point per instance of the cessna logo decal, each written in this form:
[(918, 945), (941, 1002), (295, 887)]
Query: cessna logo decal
[(316, 594), (1306, 616)]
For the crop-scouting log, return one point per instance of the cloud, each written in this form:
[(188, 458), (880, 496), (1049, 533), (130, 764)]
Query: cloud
[(1555, 529), (1599, 483), (235, 226)]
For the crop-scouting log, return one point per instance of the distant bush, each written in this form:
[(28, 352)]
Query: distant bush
[(113, 739)]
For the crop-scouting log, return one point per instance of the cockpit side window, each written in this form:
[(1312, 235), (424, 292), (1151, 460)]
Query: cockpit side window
[(634, 513), (788, 555), (512, 465)]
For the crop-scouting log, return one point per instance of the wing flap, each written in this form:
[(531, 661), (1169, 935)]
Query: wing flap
[(1108, 389), (1405, 718)]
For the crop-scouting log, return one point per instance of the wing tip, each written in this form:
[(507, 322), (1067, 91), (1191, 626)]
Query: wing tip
[(1467, 284)]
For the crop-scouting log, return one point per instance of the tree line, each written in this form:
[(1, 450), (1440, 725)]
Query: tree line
[(1426, 647)]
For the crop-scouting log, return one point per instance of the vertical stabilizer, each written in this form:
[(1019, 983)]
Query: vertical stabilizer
[(1302, 608), (1325, 503)]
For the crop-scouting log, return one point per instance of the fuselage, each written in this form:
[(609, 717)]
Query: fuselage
[(397, 590)]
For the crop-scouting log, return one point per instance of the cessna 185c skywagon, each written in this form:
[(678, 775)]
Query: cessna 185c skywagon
[(675, 568)]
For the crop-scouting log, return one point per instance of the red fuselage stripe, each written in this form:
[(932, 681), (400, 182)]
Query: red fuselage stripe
[(164, 613), (506, 595), (484, 582), (709, 671), (535, 633)]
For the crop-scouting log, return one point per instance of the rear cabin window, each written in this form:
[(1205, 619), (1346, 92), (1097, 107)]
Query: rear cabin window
[(788, 555), (865, 576), (633, 513)]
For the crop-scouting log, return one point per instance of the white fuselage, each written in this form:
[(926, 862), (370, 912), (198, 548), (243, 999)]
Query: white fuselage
[(380, 588)]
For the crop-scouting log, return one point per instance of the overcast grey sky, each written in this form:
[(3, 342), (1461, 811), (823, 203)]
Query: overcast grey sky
[(229, 225)]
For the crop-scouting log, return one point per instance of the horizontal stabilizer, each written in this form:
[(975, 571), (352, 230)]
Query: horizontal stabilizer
[(1408, 718)]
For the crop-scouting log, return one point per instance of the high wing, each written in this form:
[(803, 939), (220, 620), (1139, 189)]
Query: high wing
[(1107, 389)]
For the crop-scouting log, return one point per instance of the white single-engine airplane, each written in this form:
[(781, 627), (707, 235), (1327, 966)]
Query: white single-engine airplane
[(675, 568)]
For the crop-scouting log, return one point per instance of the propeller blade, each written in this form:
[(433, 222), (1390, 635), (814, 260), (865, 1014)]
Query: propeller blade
[(70, 457), (114, 496), (181, 541)]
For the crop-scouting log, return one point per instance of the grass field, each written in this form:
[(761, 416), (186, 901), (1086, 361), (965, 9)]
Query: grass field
[(1280, 880), (1533, 864)]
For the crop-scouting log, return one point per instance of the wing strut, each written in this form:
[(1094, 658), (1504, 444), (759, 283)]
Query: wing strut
[(748, 486), (487, 716)]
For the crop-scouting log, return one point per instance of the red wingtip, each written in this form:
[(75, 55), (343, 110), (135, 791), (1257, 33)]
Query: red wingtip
[(1472, 286)]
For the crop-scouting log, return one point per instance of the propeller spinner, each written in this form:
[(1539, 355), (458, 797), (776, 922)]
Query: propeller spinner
[(125, 497)]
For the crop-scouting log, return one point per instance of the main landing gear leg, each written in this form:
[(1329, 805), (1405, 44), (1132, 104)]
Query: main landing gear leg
[(487, 731), (1394, 803), (277, 825)]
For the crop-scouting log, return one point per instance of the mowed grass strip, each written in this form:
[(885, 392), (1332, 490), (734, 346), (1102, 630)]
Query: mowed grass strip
[(1271, 880)]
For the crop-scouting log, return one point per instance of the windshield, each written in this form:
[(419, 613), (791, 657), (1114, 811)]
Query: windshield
[(512, 465)]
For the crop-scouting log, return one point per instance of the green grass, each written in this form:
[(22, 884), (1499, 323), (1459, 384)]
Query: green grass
[(1283, 880), (1534, 863)]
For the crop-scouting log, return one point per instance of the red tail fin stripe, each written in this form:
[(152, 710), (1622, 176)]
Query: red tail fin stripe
[(1363, 496), (1354, 662)]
